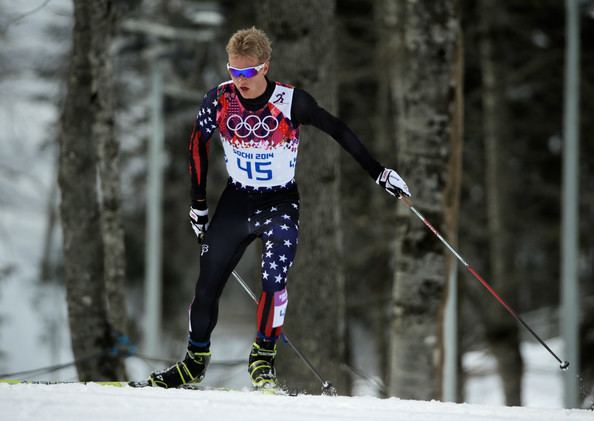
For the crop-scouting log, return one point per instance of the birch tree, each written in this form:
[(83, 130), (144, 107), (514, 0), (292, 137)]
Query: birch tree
[(368, 212), (426, 82), (88, 150)]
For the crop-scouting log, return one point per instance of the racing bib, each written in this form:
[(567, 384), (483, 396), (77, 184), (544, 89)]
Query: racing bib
[(260, 146)]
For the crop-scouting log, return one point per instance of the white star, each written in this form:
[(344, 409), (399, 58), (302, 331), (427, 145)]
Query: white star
[(273, 209), (273, 266), (284, 227), (282, 258), (285, 216), (278, 279), (268, 221), (215, 102), (295, 205), (288, 243), (268, 245), (285, 269), (208, 110), (265, 275), (269, 232), (258, 212), (269, 254), (257, 224)]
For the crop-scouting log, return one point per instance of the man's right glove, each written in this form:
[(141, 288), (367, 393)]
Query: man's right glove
[(199, 218), (393, 183)]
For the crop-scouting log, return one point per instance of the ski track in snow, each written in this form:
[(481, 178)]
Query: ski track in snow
[(74, 402)]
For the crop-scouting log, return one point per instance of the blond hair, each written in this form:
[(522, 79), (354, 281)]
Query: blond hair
[(250, 42)]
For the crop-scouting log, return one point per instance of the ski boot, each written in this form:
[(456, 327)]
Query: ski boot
[(261, 364), (190, 370)]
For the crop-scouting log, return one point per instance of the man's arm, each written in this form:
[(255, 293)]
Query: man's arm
[(198, 148), (305, 110), (204, 127)]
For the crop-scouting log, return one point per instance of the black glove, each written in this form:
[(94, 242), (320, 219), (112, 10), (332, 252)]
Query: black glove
[(199, 218)]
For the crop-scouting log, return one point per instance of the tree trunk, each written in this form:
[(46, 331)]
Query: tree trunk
[(425, 81), (367, 211), (385, 144), (452, 201), (303, 38), (109, 168), (92, 335), (502, 331), (586, 396)]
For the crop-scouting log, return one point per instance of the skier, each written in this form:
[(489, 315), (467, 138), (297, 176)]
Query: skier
[(258, 122)]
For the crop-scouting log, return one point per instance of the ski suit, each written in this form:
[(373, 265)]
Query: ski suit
[(260, 138)]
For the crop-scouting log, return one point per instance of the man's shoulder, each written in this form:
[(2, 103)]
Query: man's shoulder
[(216, 92), (223, 87), (295, 89), (284, 85), (298, 94), (224, 84)]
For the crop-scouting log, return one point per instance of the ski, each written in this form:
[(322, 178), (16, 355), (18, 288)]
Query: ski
[(278, 391), (47, 383)]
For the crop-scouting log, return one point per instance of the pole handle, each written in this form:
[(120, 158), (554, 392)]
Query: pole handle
[(406, 201)]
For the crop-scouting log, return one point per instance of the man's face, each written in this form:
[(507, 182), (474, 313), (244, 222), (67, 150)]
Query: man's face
[(249, 87)]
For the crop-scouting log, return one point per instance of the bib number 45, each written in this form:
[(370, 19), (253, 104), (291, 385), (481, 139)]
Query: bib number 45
[(259, 170)]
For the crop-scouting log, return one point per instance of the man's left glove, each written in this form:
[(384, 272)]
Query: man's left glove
[(199, 218), (393, 183)]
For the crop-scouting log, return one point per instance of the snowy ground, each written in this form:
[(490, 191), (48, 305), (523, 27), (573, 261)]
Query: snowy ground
[(542, 382), (93, 402)]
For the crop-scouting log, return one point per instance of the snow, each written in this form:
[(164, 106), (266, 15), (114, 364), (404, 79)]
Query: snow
[(542, 381), (73, 402)]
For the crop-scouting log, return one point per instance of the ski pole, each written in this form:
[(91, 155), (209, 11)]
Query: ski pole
[(327, 387), (563, 364)]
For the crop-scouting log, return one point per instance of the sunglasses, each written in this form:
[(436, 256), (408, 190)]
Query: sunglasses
[(246, 72)]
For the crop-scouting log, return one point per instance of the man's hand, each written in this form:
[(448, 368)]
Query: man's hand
[(199, 218), (393, 183)]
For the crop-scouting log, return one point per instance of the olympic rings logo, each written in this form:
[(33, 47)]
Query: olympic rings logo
[(252, 125)]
